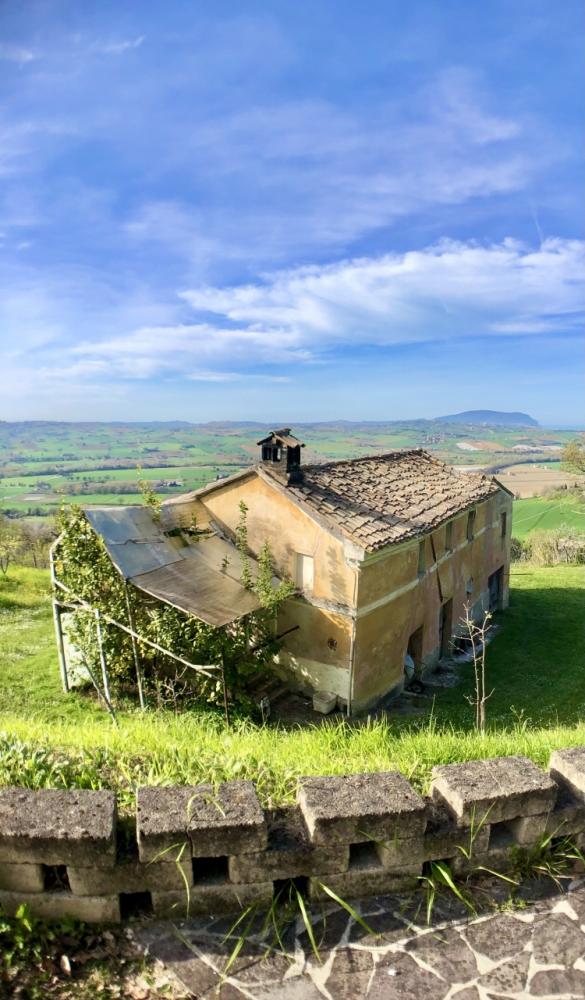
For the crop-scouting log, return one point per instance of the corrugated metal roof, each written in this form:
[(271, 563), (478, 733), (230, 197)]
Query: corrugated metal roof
[(200, 577)]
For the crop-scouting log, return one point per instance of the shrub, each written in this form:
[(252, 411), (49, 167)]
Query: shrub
[(561, 545)]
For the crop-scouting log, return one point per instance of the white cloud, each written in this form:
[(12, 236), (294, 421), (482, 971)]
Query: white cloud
[(450, 290)]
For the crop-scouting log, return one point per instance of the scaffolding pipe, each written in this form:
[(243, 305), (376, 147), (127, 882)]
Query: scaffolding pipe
[(134, 647), (199, 667), (103, 664), (60, 645)]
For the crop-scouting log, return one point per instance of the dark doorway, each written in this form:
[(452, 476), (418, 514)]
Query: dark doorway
[(445, 628), (495, 589), (415, 649)]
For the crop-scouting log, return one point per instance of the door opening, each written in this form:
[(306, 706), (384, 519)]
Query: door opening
[(495, 589), (445, 628)]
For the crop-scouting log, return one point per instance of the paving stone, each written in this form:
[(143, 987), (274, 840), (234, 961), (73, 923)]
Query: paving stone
[(509, 977), (223, 897), (494, 790), (446, 953), (360, 807), (22, 878), (55, 827), (498, 937), (289, 852), (131, 876), (58, 905), (568, 768), (400, 978), (350, 975), (557, 940), (557, 983), (210, 822)]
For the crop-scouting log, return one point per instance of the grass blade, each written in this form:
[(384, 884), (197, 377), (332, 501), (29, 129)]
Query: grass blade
[(349, 909), (308, 926)]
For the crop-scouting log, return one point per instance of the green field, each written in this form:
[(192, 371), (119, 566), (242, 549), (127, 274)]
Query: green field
[(69, 740), (41, 462), (540, 514)]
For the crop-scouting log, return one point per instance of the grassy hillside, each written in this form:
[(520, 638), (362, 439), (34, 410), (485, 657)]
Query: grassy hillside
[(540, 514), (535, 666)]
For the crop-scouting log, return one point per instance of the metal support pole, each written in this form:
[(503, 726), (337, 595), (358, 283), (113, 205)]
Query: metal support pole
[(135, 652), (100, 641), (226, 708), (60, 645)]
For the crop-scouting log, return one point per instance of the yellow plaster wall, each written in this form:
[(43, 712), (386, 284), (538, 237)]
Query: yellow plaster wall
[(318, 653), (382, 632), (274, 518)]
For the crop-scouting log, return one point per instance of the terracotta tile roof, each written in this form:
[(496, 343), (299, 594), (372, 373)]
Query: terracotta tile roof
[(384, 499)]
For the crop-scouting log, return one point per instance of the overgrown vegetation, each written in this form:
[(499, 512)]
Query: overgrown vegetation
[(563, 545), (243, 648)]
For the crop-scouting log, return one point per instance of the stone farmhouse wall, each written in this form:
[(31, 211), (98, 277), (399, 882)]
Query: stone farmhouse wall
[(201, 850)]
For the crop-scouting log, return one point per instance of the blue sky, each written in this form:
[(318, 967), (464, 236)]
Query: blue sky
[(293, 211)]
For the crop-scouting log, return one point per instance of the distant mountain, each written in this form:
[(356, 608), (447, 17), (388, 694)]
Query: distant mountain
[(496, 417)]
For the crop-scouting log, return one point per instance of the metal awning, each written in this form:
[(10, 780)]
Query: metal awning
[(200, 577)]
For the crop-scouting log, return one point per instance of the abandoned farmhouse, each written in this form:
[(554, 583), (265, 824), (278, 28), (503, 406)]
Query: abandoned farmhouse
[(385, 552)]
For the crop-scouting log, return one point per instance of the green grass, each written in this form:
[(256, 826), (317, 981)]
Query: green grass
[(540, 514), (535, 664)]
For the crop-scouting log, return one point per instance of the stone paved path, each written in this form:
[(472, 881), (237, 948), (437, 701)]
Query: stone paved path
[(536, 951)]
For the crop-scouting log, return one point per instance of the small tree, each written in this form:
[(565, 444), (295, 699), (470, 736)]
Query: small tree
[(477, 633), (573, 456), (8, 543)]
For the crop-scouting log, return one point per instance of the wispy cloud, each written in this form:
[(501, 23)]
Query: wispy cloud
[(116, 48), (16, 53), (449, 291)]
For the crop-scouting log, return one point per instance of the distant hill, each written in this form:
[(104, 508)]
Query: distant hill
[(496, 417)]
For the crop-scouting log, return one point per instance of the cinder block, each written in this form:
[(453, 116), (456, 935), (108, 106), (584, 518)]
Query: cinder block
[(498, 860), (528, 830), (130, 876), (56, 827), (211, 822), (567, 767), (365, 877), (444, 839), (361, 807), (224, 897), (289, 852), (568, 816), (494, 790), (57, 905), (22, 878), (396, 854)]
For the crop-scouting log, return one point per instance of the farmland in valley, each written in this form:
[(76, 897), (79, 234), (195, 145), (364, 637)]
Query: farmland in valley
[(44, 464)]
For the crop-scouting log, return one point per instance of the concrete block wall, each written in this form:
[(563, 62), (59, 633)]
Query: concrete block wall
[(206, 850)]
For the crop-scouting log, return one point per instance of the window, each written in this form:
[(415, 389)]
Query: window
[(449, 537), (304, 572), (470, 525), (504, 523), (421, 559)]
